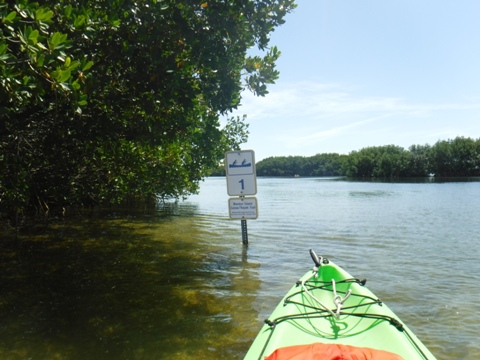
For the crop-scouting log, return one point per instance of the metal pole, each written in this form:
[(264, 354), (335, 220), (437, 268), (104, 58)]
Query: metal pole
[(244, 232)]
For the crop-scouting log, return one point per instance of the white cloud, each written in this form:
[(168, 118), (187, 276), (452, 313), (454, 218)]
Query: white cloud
[(306, 118), (314, 100), (317, 136)]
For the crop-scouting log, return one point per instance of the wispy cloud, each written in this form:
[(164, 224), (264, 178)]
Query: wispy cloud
[(316, 100), (309, 117), (333, 132)]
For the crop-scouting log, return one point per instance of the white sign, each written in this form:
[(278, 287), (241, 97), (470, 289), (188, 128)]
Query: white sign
[(240, 171), (243, 208)]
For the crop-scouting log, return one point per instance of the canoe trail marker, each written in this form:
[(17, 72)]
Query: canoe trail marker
[(241, 182)]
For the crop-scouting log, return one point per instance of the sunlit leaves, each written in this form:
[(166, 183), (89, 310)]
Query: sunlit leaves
[(80, 21), (10, 18), (57, 41), (111, 99), (43, 14), (86, 65), (68, 11), (32, 49)]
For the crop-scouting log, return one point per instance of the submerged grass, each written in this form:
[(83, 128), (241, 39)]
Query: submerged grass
[(142, 287)]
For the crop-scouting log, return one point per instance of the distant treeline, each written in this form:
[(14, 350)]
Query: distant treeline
[(457, 157)]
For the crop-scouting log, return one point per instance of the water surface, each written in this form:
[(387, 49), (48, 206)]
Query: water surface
[(177, 283)]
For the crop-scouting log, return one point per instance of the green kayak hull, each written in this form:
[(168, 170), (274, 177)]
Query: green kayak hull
[(327, 305)]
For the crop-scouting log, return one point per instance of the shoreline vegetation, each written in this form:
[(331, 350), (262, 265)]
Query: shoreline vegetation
[(459, 157), (103, 103)]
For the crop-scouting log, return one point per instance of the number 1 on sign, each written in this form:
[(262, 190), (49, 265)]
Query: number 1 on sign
[(242, 182)]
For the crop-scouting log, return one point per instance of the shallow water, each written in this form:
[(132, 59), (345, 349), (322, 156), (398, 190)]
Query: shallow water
[(177, 283)]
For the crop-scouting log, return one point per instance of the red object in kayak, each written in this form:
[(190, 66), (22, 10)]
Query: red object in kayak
[(319, 351)]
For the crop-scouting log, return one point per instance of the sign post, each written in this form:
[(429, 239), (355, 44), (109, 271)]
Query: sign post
[(241, 181)]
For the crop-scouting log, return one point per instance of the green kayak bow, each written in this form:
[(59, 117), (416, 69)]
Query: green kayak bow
[(328, 314)]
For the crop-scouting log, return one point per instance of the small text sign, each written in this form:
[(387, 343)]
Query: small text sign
[(243, 208)]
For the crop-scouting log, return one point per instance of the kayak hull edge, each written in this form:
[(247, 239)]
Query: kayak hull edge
[(327, 305)]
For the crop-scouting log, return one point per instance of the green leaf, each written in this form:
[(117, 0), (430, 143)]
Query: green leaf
[(61, 75), (10, 18), (64, 75), (76, 85), (65, 86), (73, 65), (41, 46), (79, 21), (6, 57), (68, 11), (33, 37), (57, 39), (83, 100), (87, 66), (40, 60), (43, 15)]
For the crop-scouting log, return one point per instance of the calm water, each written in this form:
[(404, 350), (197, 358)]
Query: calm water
[(178, 284)]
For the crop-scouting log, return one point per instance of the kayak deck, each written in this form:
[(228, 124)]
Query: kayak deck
[(327, 305)]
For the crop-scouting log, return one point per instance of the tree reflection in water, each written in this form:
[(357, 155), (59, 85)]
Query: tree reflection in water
[(127, 287)]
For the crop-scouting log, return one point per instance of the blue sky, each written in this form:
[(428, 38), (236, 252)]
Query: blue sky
[(359, 73)]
